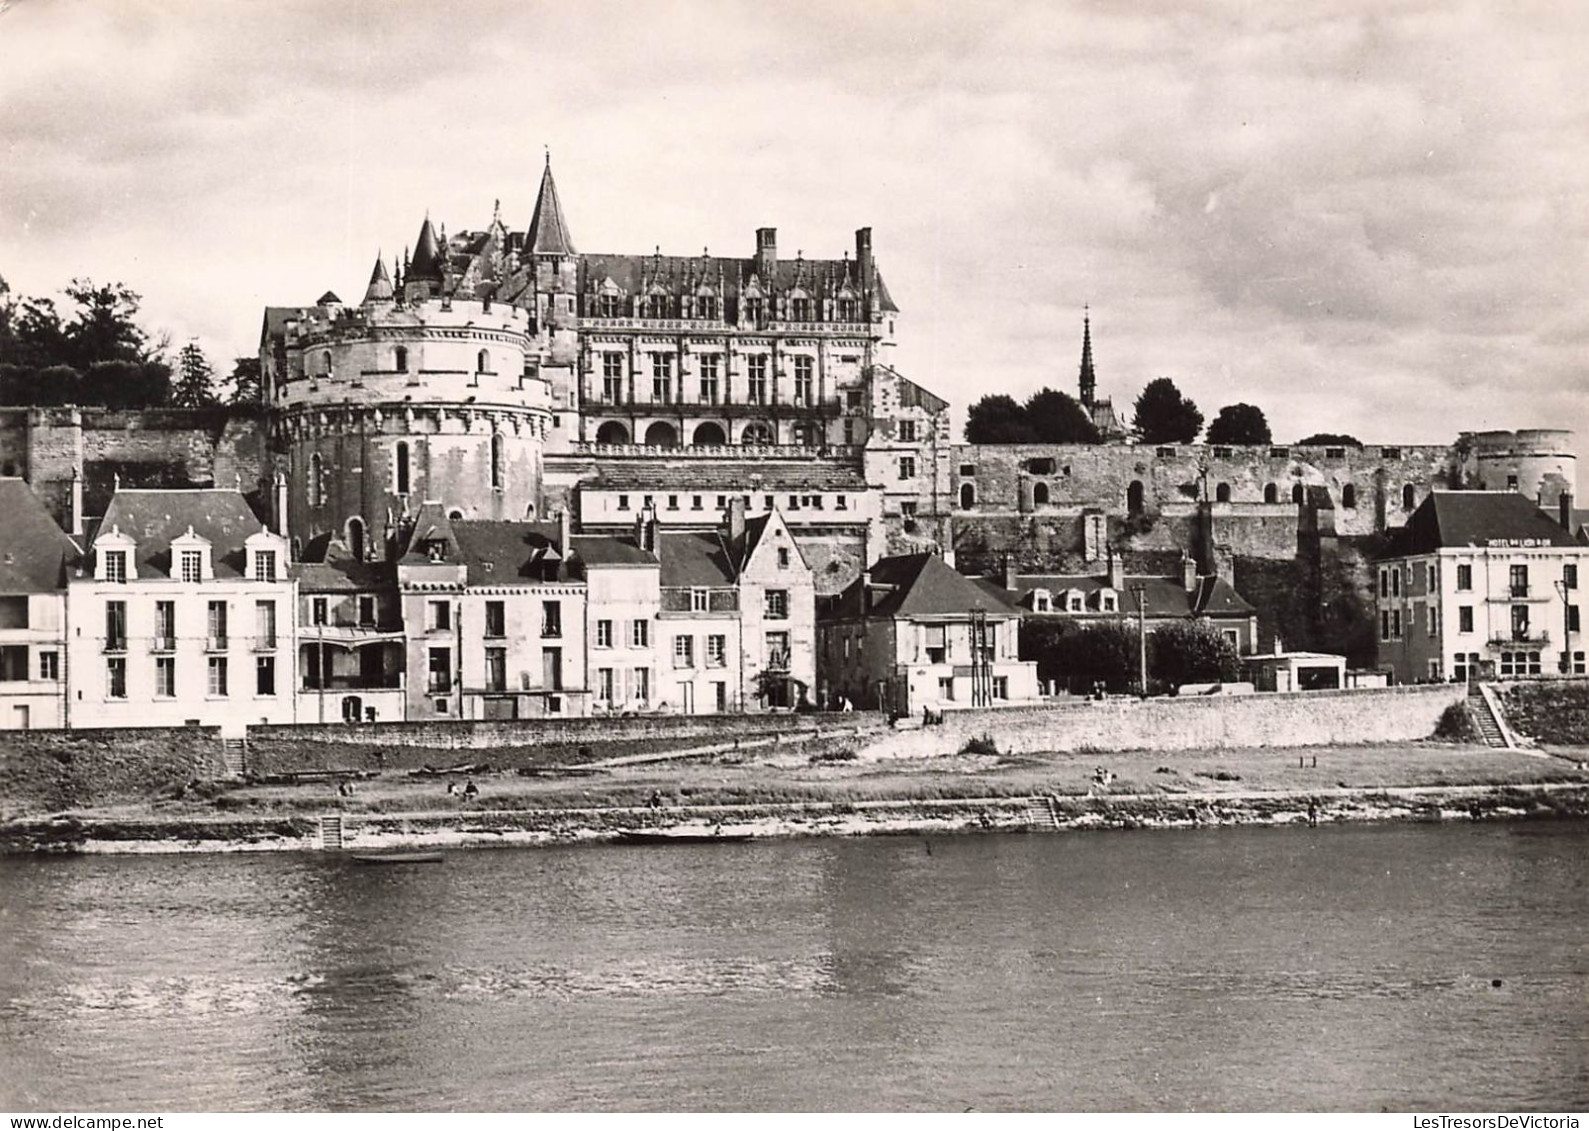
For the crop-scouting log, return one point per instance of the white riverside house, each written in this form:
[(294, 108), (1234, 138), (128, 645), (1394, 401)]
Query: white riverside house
[(35, 560), (184, 615), (1481, 584)]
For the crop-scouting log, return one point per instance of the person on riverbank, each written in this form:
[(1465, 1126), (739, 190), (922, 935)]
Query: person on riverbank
[(470, 790)]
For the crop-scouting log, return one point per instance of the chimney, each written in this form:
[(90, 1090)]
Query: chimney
[(766, 253), (863, 255), (866, 592), (280, 484), (1566, 511), (1011, 579), (1117, 570), (736, 522), (76, 517), (564, 532), (1188, 573), (646, 528)]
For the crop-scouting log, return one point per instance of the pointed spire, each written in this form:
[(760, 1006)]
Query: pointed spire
[(380, 288), (548, 234), (426, 264), (1089, 380)]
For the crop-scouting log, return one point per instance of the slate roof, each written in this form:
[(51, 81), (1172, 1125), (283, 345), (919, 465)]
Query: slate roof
[(738, 478), (152, 518), (694, 559), (548, 231), (431, 524), (427, 259), (34, 552), (343, 575), (918, 585), (380, 288), (598, 550), (503, 553), (1166, 596), (912, 395), (1448, 519)]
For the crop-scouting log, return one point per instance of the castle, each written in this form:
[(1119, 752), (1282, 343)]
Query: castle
[(504, 375)]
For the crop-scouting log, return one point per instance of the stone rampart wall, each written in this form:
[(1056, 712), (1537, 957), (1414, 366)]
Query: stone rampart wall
[(1310, 718), (52, 770)]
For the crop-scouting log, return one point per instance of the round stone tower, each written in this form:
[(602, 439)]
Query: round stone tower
[(1537, 462), (379, 408)]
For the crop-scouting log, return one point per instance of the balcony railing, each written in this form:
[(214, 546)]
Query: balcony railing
[(163, 644), (264, 643), (216, 644), (434, 686), (115, 644), (1531, 637), (1519, 589), (778, 661), (353, 683)]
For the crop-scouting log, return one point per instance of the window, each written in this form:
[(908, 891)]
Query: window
[(1520, 622), (438, 616), (217, 682), (604, 685), (1384, 624), (607, 306), (496, 669), (1296, 494), (116, 566), (1464, 618), (673, 502), (264, 624), (1429, 582), (1222, 493), (1520, 663), (783, 557), (1349, 496), (946, 687), (165, 625), (710, 378), (496, 461), (661, 378), (115, 626), (1432, 629), (803, 384), (800, 309), (438, 671), (758, 378), (778, 651), (1409, 497), (1464, 577), (215, 624), (14, 663), (623, 502), (604, 634), (936, 643), (367, 611), (1572, 619), (684, 651), (552, 618), (1271, 493), (695, 502), (716, 651), (1109, 602), (907, 431), (640, 634), (482, 362), (642, 684), (1569, 575), (777, 604), (116, 678), (612, 378), (1001, 687), (496, 618), (1518, 577), (754, 308), (699, 600), (318, 610), (1511, 482), (1395, 624), (264, 675), (1221, 453), (400, 359), (192, 565), (49, 665), (907, 467), (1040, 494), (1395, 582), (400, 461)]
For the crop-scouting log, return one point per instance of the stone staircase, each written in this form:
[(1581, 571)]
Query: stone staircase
[(1040, 814), (1484, 719), (234, 756), (331, 832)]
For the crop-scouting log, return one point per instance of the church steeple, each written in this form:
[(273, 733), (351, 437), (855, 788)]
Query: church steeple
[(548, 234), (1089, 380)]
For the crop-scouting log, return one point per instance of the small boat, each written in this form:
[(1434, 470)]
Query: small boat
[(678, 836), (396, 857)]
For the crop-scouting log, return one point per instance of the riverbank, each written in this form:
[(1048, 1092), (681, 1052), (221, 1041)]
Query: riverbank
[(787, 795)]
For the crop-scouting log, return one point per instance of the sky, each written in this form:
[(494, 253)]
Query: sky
[(1363, 217)]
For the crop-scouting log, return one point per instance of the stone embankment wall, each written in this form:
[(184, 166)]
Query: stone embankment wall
[(1552, 711), (52, 770), (528, 743), (1309, 718)]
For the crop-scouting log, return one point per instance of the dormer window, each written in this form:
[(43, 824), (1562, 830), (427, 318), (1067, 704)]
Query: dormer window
[(699, 600), (1109, 601), (1075, 603), (436, 551), (1042, 602), (192, 565), (264, 565), (116, 566)]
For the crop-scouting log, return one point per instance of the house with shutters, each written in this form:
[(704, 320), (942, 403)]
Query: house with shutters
[(36, 558), (184, 614), (913, 633)]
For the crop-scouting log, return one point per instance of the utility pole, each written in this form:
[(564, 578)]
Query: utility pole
[(1141, 593)]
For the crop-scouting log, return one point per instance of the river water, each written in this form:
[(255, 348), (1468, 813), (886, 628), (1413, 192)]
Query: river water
[(1330, 968)]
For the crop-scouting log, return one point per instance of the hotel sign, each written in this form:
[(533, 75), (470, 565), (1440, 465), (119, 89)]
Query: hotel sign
[(1516, 543)]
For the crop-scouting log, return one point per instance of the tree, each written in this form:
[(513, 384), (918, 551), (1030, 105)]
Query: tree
[(247, 381), (1164, 416), (998, 419), (1080, 657), (1057, 418), (195, 387), (1239, 424), (1330, 440), (104, 327), (1191, 652)]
